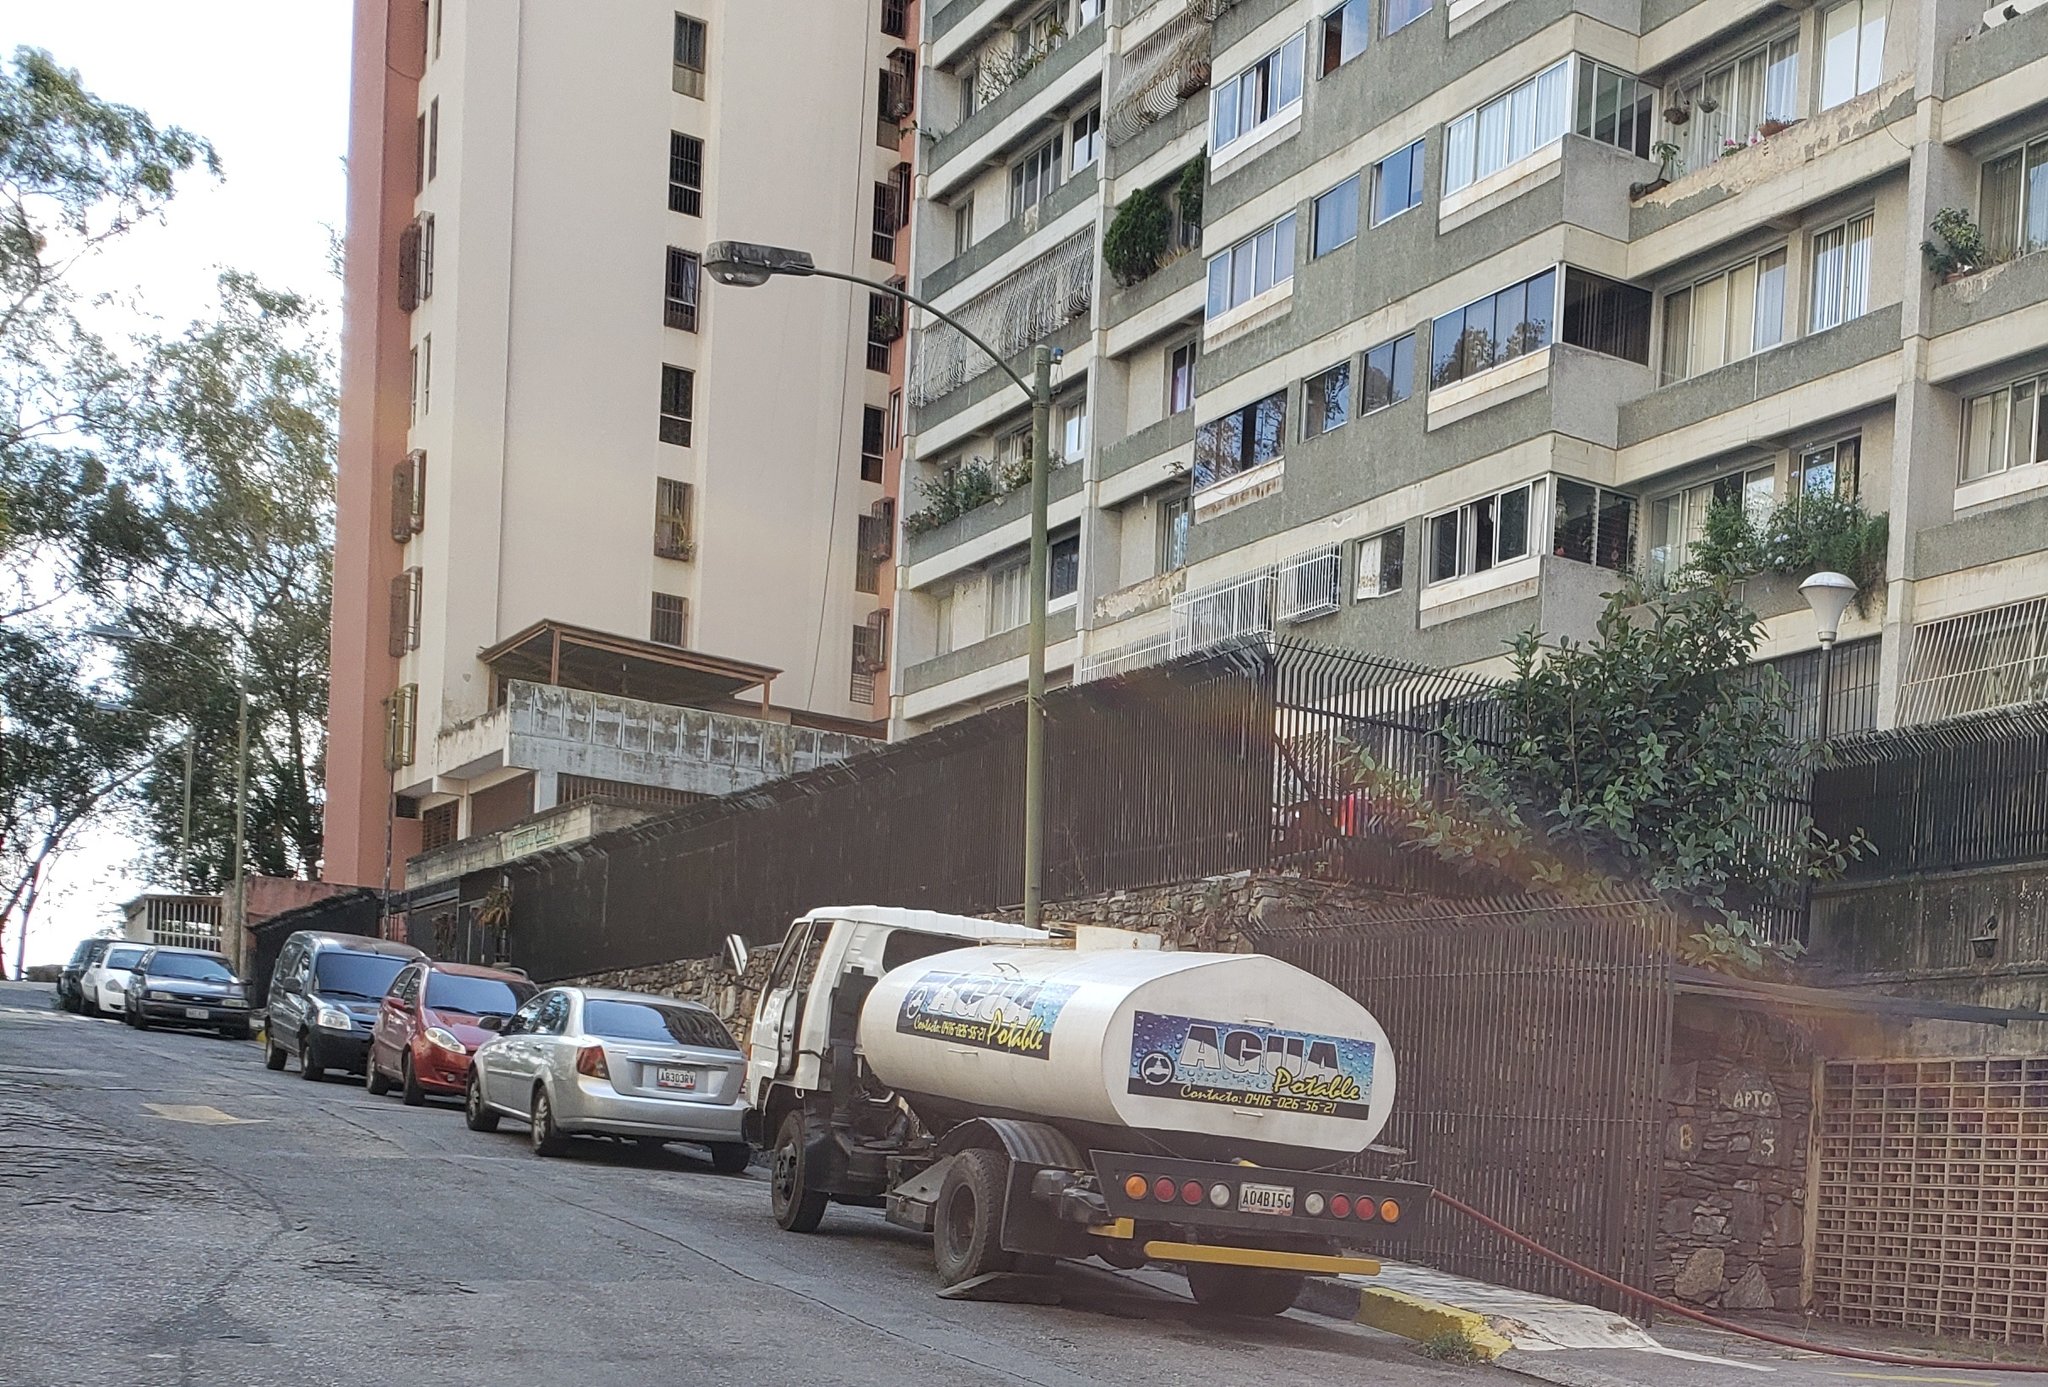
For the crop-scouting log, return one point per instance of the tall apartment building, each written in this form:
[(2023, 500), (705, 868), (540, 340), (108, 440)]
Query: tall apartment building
[(603, 530), (1406, 325)]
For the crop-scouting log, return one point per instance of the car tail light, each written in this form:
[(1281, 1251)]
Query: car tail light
[(1313, 1204), (1219, 1195), (590, 1060), (1192, 1192), (1136, 1187), (1367, 1210), (1340, 1206), (1390, 1212), (1163, 1189)]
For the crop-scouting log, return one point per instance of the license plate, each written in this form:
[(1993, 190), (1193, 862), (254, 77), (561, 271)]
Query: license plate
[(1265, 1199), (681, 1080), (196, 1013)]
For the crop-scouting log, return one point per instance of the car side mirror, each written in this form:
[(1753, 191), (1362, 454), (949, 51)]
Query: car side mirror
[(494, 1023)]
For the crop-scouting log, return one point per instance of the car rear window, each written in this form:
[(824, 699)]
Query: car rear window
[(348, 974), (665, 1025), (198, 967), (476, 996), (123, 958)]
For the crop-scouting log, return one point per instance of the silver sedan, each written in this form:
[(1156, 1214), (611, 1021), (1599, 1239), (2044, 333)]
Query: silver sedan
[(578, 1061)]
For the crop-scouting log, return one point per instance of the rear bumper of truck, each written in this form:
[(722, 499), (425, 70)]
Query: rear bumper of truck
[(1231, 1208), (1271, 1259)]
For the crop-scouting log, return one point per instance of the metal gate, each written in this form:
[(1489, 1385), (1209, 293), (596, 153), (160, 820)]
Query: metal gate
[(1933, 1197), (1530, 1041)]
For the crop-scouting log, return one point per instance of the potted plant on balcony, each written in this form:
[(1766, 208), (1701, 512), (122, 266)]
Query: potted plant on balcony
[(1773, 126), (1136, 239), (1666, 154), (1962, 250)]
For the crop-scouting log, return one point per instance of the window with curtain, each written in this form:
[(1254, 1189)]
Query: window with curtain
[(1180, 378), (1337, 217), (1241, 440), (1397, 183), (1512, 126), (1345, 32), (1252, 266), (1174, 518), (1326, 400), (1267, 91), (1034, 177), (1841, 273), (2004, 428), (2013, 209), (1481, 534), (1399, 14), (1728, 315), (1851, 50), (1494, 330), (1758, 85), (1087, 130), (1678, 521), (1606, 316), (1832, 469), (1008, 602), (1376, 565)]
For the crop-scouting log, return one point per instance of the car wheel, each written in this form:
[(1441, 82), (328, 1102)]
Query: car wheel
[(475, 1115), (234, 1032), (798, 1207), (730, 1157), (1247, 1292), (373, 1078), (308, 1070), (273, 1053), (88, 1005), (547, 1138), (410, 1092), (134, 1017), (968, 1239)]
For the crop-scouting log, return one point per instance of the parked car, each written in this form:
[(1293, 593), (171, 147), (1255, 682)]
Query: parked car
[(104, 983), (325, 992), (172, 986), (579, 1061), (70, 996), (429, 1026)]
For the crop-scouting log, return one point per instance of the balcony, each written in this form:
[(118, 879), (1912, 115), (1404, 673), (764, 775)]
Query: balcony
[(1012, 644), (1989, 76), (1989, 316), (1039, 78), (551, 828), (1181, 278), (1172, 437), (1075, 192), (1008, 508)]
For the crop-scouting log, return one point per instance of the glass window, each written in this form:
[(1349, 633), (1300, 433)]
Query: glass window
[(1759, 85), (1240, 440), (1614, 108), (1678, 521), (197, 967), (2014, 201), (472, 996), (1267, 91), (345, 973), (1841, 273), (1494, 330), (1034, 177), (1087, 139), (1389, 374), (1345, 31), (1074, 429), (1851, 51), (1831, 469), (2005, 428), (1257, 263), (1337, 217), (1376, 565), (963, 224), (1063, 567), (1399, 14), (1397, 183), (1594, 525), (1606, 316), (1174, 518), (1326, 400), (1180, 378), (1483, 533), (942, 622), (1725, 317), (664, 1023), (1008, 597), (1512, 126)]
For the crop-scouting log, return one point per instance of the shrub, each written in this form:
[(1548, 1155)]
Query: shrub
[(1802, 535), (1962, 249), (1137, 236), (1194, 181)]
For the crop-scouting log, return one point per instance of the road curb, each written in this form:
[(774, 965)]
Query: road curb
[(1398, 1313)]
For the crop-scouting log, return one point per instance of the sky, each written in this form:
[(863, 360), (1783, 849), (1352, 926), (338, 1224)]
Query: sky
[(267, 82)]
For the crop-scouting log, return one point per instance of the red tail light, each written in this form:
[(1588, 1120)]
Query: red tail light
[(1340, 1205), (1163, 1189), (1192, 1192), (1367, 1209), (590, 1060)]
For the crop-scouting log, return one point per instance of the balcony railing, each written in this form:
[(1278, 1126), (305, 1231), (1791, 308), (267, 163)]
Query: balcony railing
[(1026, 307)]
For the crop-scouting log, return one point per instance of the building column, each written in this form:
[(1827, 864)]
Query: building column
[(546, 790)]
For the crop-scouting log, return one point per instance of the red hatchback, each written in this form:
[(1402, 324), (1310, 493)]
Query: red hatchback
[(431, 1021)]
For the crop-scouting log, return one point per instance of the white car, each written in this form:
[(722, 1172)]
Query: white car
[(104, 986)]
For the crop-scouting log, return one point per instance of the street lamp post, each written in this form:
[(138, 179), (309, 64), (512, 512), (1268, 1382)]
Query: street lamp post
[(1829, 595), (743, 264)]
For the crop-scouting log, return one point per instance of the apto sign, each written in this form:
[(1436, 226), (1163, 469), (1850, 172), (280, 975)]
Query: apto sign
[(984, 1010), (1237, 1064)]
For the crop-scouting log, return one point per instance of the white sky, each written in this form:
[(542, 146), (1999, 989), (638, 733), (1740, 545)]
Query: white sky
[(267, 82)]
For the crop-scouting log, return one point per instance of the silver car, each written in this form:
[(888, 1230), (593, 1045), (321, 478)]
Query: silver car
[(578, 1061)]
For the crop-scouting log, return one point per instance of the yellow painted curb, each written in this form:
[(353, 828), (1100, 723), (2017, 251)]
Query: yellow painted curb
[(1412, 1317)]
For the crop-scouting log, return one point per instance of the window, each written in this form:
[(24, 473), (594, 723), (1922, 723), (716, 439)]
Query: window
[(1174, 519), (440, 8), (1759, 85), (1376, 565), (426, 280), (1493, 330), (882, 231), (426, 374), (895, 418), (1086, 12), (885, 325), (2005, 429), (1832, 469), (413, 403), (678, 387), (1482, 534), (433, 138), (1389, 374), (875, 545), (1180, 378), (871, 430), (896, 18), (1251, 267), (1063, 568), (401, 724), (870, 655), (1087, 139), (407, 593), (1326, 400), (672, 519), (1267, 91), (679, 290), (969, 77), (1397, 183), (1841, 273), (1337, 217), (2015, 201), (1725, 317), (1512, 126), (685, 174), (1008, 589), (409, 496), (963, 224), (669, 624), (1242, 439), (1034, 177), (1606, 316), (1073, 427), (1595, 525), (942, 622), (689, 75), (1679, 521), (1399, 14), (1851, 50), (1614, 108), (1345, 31), (419, 157)]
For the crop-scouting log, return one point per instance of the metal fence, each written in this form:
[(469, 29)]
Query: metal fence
[(1532, 1040)]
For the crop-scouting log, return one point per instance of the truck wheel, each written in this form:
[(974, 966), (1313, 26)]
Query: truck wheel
[(1245, 1291), (967, 1241), (798, 1207)]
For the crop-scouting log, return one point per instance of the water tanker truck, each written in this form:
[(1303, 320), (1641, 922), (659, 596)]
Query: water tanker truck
[(1023, 1098)]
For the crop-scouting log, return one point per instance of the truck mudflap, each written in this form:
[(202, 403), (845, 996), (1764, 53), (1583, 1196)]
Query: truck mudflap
[(1239, 1203)]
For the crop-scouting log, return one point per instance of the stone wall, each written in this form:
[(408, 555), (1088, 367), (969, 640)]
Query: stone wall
[(1739, 1094), (711, 981)]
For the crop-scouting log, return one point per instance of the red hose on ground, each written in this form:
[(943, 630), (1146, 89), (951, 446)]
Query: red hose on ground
[(1901, 1360)]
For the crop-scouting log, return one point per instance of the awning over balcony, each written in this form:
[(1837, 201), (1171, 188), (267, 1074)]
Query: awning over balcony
[(576, 657)]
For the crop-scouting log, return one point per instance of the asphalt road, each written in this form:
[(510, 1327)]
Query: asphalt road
[(176, 1214)]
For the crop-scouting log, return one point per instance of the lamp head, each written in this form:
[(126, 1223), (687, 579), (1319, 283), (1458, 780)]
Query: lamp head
[(745, 264), (1829, 594)]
